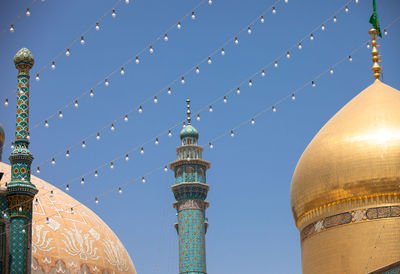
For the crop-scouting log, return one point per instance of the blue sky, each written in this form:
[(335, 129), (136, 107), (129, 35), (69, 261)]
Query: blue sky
[(251, 225)]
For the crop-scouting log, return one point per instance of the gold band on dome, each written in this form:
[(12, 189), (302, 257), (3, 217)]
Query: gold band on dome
[(347, 200)]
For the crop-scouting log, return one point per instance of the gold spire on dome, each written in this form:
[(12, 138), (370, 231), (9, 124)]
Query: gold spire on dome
[(376, 68)]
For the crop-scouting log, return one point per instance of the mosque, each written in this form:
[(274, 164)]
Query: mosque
[(345, 197)]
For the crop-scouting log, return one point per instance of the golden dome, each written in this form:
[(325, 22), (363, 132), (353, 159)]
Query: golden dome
[(71, 242), (356, 155)]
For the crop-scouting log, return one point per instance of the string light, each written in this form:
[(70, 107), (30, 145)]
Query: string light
[(313, 84), (263, 73), (225, 100), (96, 200), (91, 93), (293, 97), (38, 170), (112, 127), (37, 77), (6, 102), (182, 80), (232, 134), (53, 161), (106, 82), (356, 1), (113, 14), (83, 144), (98, 136), (67, 188), (165, 168), (210, 2), (72, 210), (179, 25), (82, 41), (385, 32), (12, 28), (137, 60), (46, 124), (236, 41), (97, 26), (169, 91), (248, 30), (209, 60), (127, 2), (120, 190), (122, 71), (60, 115), (311, 37), (368, 46), (334, 19), (262, 19), (67, 154), (250, 83), (346, 9), (273, 108), (169, 133), (322, 27), (238, 91), (28, 13), (20, 209), (198, 117), (82, 181), (211, 109), (197, 70), (350, 58), (126, 118), (222, 52), (143, 180), (276, 64), (140, 109), (193, 15), (253, 121), (165, 37), (127, 157), (53, 65), (23, 231), (67, 53), (112, 165), (210, 145), (142, 151), (273, 10), (331, 70), (156, 142), (96, 174), (287, 55)]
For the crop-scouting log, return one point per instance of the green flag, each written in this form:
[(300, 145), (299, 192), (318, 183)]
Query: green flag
[(374, 19)]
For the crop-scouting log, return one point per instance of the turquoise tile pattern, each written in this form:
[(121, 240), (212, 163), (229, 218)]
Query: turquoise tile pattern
[(18, 245)]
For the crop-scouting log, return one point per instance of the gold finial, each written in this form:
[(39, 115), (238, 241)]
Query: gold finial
[(375, 54), (188, 112)]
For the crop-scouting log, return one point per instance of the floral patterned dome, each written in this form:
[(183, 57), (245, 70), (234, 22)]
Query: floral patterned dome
[(24, 56), (189, 131), (68, 241)]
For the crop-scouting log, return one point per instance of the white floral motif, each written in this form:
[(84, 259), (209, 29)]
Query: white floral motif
[(114, 255), (41, 242), (78, 244)]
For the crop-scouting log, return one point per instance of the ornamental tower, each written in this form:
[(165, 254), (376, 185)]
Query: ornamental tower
[(20, 190), (190, 191)]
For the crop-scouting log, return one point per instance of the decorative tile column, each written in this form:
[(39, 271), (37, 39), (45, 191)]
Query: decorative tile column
[(20, 190), (190, 191)]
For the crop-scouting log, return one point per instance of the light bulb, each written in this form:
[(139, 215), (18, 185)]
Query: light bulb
[(222, 52), (198, 117), (46, 124), (276, 64), (53, 65), (209, 60), (12, 28), (169, 91), (350, 58), (313, 84), (127, 157), (35, 203), (37, 77), (273, 10), (300, 47), (193, 15), (38, 170), (287, 55), (165, 168), (67, 154), (112, 165), (112, 127), (334, 19), (368, 46), (210, 145), (311, 37), (331, 70), (155, 100), (83, 181), (225, 100), (322, 27), (253, 121), (140, 110), (98, 136), (356, 1), (165, 37), (142, 151), (96, 200), (83, 144), (67, 188), (47, 218), (12, 146), (97, 26), (122, 71), (106, 82), (156, 142), (60, 114), (137, 60), (127, 2), (262, 19), (91, 93), (385, 32), (82, 41), (210, 2), (6, 102), (120, 190), (263, 73), (113, 13), (179, 25), (250, 83), (248, 30), (273, 108), (28, 13), (143, 180), (169, 133), (182, 80), (53, 161), (126, 118), (346, 9), (211, 109), (67, 52), (236, 41), (96, 174), (76, 104), (197, 70), (286, 1), (20, 209), (238, 91), (293, 97), (72, 210)]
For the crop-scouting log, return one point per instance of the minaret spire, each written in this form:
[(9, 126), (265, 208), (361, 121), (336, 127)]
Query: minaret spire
[(376, 68), (20, 190)]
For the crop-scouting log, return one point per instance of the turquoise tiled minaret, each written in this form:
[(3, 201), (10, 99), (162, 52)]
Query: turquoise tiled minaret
[(190, 191), (20, 190)]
